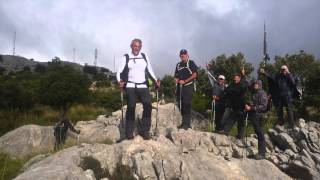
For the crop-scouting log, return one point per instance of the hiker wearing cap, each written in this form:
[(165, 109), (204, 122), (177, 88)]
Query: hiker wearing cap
[(235, 104), (286, 87), (133, 74), (218, 97), (255, 108), (185, 74)]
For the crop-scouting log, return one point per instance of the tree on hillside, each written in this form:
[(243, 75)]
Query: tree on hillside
[(63, 86), (15, 96), (305, 68), (168, 86), (228, 66)]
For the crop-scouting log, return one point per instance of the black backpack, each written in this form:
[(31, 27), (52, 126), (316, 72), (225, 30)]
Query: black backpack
[(124, 74)]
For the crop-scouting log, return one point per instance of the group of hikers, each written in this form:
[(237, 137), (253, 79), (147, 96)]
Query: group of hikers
[(240, 101)]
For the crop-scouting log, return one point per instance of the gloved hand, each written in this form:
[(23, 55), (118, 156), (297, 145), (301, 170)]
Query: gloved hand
[(157, 84)]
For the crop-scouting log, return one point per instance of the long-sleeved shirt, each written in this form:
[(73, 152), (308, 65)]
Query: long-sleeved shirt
[(285, 84), (137, 68), (259, 101)]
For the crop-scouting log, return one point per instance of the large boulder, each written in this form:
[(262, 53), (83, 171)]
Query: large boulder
[(297, 151), (26, 140), (62, 165), (162, 158)]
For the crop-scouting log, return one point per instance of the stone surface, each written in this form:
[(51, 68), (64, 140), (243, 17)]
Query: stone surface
[(26, 140), (156, 159), (174, 154)]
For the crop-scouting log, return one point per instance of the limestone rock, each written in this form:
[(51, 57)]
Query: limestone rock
[(29, 139)]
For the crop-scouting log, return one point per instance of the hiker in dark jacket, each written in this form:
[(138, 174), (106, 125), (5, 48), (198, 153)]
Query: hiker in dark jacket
[(218, 97), (235, 103), (185, 75), (286, 87), (255, 109)]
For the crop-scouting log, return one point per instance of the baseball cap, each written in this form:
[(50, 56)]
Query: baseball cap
[(221, 77), (183, 51)]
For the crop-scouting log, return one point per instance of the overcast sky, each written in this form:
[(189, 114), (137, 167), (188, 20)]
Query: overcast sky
[(206, 28)]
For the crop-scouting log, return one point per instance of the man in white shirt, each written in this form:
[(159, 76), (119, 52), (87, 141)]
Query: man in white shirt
[(133, 74)]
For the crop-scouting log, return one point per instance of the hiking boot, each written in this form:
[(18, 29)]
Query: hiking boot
[(260, 156), (221, 132), (145, 135), (281, 123), (184, 127)]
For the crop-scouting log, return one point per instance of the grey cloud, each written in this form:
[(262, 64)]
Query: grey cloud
[(206, 28)]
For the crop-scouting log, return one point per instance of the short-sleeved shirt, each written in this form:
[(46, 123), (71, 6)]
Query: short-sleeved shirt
[(182, 71)]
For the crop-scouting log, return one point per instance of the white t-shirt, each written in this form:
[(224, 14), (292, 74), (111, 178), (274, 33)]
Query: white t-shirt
[(137, 66)]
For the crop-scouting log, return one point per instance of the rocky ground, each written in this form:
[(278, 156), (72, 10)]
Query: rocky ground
[(174, 154)]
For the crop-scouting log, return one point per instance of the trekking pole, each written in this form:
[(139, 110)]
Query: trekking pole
[(121, 123), (174, 105), (157, 115), (246, 132), (180, 95), (213, 114), (245, 146)]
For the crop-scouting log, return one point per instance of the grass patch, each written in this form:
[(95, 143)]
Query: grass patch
[(85, 112), (45, 116), (10, 167), (107, 141)]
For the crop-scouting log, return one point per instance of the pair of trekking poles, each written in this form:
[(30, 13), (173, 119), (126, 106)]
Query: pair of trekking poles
[(157, 110)]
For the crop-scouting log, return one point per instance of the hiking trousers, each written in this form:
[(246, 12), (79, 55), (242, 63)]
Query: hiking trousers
[(186, 100), (285, 101), (132, 95), (230, 117), (258, 124), (220, 108)]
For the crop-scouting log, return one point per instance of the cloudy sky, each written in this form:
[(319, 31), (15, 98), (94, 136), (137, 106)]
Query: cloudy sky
[(206, 28)]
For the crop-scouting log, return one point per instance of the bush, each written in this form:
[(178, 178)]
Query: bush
[(200, 102), (109, 99), (63, 86)]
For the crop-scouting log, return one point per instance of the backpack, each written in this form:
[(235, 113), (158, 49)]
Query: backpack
[(124, 74), (188, 67)]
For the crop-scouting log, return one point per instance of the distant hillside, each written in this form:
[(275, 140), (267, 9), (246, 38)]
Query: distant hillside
[(9, 63)]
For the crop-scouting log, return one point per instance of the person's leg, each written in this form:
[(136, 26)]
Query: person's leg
[(145, 98), (240, 116), (289, 105), (229, 121), (178, 98), (258, 123), (187, 92), (225, 118), (219, 113), (280, 111), (130, 114)]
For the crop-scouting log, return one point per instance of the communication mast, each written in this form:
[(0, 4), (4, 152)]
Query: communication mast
[(74, 54), (14, 43), (95, 57)]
